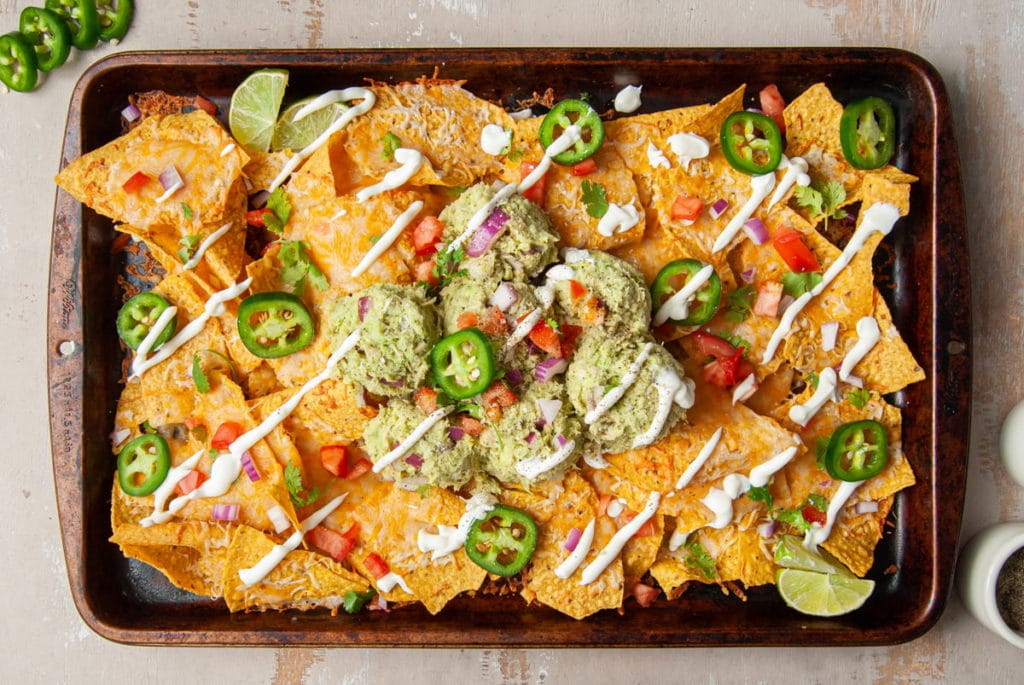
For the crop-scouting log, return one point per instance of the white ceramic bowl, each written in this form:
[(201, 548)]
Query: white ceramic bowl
[(1011, 443), (980, 562)]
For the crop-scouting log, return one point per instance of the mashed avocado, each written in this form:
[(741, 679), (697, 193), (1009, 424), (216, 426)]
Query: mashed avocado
[(471, 295), (435, 458), (522, 434), (526, 244), (616, 297), (602, 362), (397, 329)]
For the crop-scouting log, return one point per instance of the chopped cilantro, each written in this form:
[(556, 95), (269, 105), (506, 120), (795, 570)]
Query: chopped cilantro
[(147, 428), (189, 245), (810, 199), (793, 517), (424, 490), (735, 340), (817, 501), (456, 191), (762, 494), (298, 269), (390, 143), (375, 238), (739, 303), (446, 266), (355, 601), (820, 448), (858, 397), (699, 558), (795, 285), (516, 154), (280, 211), (596, 199), (812, 379), (198, 376), (822, 200), (186, 211), (296, 490)]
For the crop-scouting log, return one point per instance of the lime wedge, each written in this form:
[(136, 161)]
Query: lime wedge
[(295, 135), (822, 594), (790, 553), (254, 107)]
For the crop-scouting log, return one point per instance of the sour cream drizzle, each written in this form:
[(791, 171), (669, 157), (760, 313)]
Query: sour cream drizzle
[(705, 453), (389, 580), (615, 394), (448, 539), (688, 147), (254, 574), (719, 500), (678, 306), (325, 100), (785, 324), (193, 262), (389, 237), (174, 476), (744, 388), (618, 219), (796, 174), (410, 440), (546, 295), (534, 466), (619, 540), (671, 390), (228, 149), (656, 158), (816, 536), (802, 413), (410, 160), (494, 139), (760, 186), (576, 557), (214, 307), (869, 335), (627, 100)]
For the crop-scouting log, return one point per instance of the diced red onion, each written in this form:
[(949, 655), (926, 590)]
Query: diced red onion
[(170, 178), (561, 440), (748, 275), (259, 200), (414, 460), (380, 605), (504, 297), (486, 233), (393, 384), (456, 433), (549, 368), (615, 508), (855, 381), (131, 113), (755, 110), (119, 436), (829, 331), (784, 303), (514, 377), (718, 208), (824, 483), (766, 530), (250, 467), (756, 231), (530, 437), (364, 307), (867, 507), (224, 512), (279, 519), (549, 409), (574, 539)]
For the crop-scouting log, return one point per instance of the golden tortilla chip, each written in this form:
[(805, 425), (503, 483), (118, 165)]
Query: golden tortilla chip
[(739, 554), (190, 553)]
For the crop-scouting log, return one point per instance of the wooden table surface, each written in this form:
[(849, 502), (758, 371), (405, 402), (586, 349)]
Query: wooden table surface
[(976, 47)]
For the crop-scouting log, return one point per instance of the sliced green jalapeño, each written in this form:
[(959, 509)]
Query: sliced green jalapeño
[(138, 316), (503, 542), (751, 142), (463, 363), (142, 464), (274, 324), (673, 277), (857, 451), (867, 132), (567, 113)]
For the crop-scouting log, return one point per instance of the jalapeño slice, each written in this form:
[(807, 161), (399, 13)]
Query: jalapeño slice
[(671, 279), (48, 34), (565, 114), (115, 16), (502, 543), (867, 132), (274, 324), (463, 363), (19, 68), (142, 464), (751, 142), (138, 316), (81, 17), (857, 451)]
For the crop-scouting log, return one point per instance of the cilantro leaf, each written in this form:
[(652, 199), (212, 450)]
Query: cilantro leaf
[(817, 501), (201, 381), (186, 211), (297, 268), (354, 601), (516, 154), (812, 379), (762, 494), (795, 285), (810, 199), (446, 265), (596, 199), (280, 210), (699, 558), (740, 303), (858, 397), (834, 194), (189, 245), (735, 340), (147, 427), (296, 490), (390, 143), (822, 200), (820, 448), (793, 517)]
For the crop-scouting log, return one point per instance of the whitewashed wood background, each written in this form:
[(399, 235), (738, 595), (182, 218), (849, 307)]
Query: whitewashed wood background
[(976, 46)]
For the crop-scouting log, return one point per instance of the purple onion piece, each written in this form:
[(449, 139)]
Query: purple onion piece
[(455, 433), (748, 275), (756, 231), (718, 208), (574, 539), (224, 512), (414, 460), (549, 368), (486, 234), (170, 178), (250, 467), (131, 113), (364, 307)]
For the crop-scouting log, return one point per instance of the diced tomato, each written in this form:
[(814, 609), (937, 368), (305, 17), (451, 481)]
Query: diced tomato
[(769, 296), (711, 345), (336, 545), (794, 251), (136, 182), (812, 514), (645, 594), (376, 566), (493, 322), (645, 530), (498, 394), (424, 271), (254, 217), (687, 208), (190, 482), (546, 338), (467, 320), (225, 435), (534, 193), (593, 311), (426, 399), (334, 459), (576, 289), (602, 504), (362, 466), (427, 234), (726, 372), (584, 168), (773, 104), (352, 533), (207, 106), (472, 426), (569, 335)]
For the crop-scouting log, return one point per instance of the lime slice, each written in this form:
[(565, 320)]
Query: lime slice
[(790, 553), (822, 594), (254, 107), (295, 135)]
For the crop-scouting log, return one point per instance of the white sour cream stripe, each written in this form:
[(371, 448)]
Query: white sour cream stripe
[(618, 219), (619, 540), (162, 322), (389, 237), (410, 161), (802, 413), (671, 390), (705, 453), (214, 307), (816, 536), (796, 174), (627, 100), (869, 335), (174, 476), (719, 500), (576, 557), (760, 187), (494, 139), (254, 574), (747, 385), (448, 539), (678, 306), (784, 326), (535, 466), (615, 394), (193, 262), (688, 147), (418, 432)]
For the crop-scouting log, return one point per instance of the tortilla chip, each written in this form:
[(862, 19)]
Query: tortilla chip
[(190, 553), (740, 554)]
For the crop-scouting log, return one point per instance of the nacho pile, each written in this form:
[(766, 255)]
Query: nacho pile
[(361, 518)]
